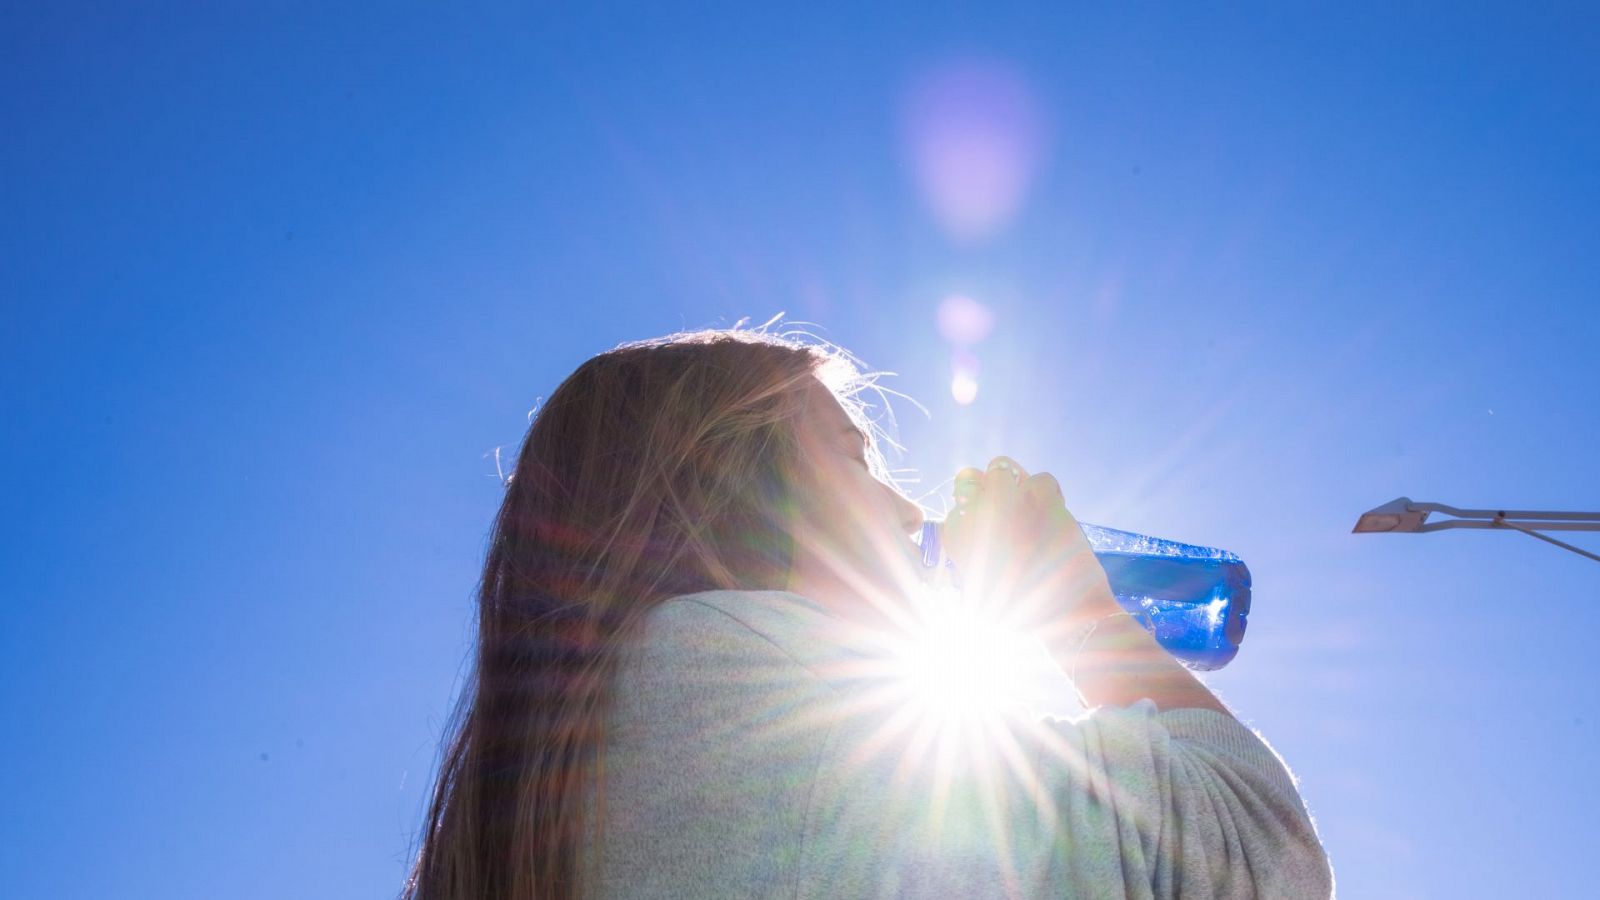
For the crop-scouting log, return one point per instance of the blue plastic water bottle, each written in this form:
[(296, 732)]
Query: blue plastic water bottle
[(1193, 599)]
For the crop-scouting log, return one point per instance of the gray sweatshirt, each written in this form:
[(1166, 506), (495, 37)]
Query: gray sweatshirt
[(757, 748)]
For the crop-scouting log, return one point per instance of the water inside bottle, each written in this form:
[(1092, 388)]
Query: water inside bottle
[(1197, 598)]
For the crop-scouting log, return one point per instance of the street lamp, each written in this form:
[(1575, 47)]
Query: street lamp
[(1405, 516)]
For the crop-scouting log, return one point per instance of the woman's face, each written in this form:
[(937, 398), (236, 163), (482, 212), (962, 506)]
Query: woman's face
[(853, 536)]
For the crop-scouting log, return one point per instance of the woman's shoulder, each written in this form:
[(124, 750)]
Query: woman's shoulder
[(702, 665), (729, 628), (772, 614)]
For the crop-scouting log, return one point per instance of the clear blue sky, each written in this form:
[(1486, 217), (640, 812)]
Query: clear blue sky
[(275, 282)]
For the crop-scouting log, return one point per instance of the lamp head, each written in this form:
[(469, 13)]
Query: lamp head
[(1396, 515)]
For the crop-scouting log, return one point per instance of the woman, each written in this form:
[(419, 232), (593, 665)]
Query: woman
[(687, 684)]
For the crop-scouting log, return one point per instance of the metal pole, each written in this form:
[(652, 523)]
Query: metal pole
[(1531, 533)]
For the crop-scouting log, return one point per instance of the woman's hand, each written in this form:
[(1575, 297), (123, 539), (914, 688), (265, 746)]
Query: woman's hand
[(1019, 551)]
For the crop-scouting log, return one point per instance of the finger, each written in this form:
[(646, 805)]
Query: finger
[(1043, 489), (968, 483), (1003, 481), (1007, 465)]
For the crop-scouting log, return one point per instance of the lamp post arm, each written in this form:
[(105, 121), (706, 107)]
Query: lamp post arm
[(1507, 513), (1406, 515), (1443, 524)]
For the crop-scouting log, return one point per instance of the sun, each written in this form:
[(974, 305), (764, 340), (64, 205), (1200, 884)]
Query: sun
[(956, 666)]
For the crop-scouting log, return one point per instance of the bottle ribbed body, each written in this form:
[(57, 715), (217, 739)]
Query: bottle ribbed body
[(1195, 600)]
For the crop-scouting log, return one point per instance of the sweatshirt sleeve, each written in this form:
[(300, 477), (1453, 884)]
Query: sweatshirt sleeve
[(1124, 802)]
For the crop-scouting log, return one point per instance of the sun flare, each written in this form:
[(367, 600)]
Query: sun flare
[(956, 665)]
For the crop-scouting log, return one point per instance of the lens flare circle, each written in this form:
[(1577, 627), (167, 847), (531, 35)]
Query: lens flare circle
[(975, 135), (964, 321)]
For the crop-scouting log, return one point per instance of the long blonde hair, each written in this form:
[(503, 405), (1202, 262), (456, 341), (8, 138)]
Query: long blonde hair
[(660, 468)]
